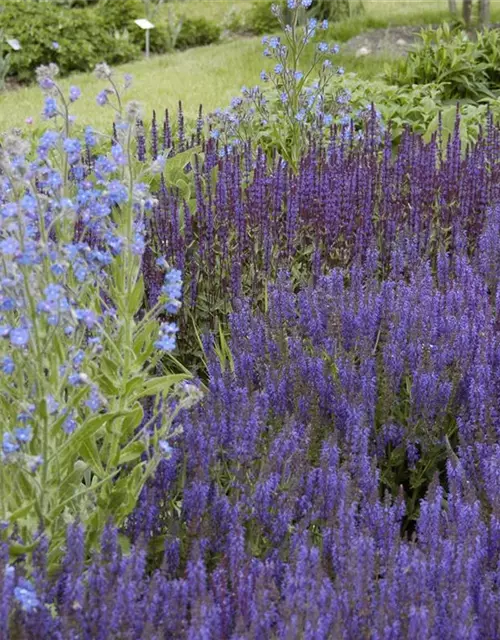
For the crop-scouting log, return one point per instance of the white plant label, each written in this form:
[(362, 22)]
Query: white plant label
[(144, 24)]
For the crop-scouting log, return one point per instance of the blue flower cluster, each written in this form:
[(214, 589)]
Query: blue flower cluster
[(297, 103), (72, 239)]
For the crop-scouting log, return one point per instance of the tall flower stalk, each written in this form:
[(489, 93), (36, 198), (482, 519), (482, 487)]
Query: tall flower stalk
[(294, 112), (79, 356)]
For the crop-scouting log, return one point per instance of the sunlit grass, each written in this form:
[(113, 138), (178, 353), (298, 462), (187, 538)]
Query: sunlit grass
[(214, 10), (209, 75)]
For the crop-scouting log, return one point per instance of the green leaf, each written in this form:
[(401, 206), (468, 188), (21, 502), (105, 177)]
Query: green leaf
[(131, 421), (133, 384), (16, 549), (161, 385), (90, 454), (143, 344), (131, 452), (21, 512), (137, 296), (125, 544), (69, 483), (89, 428)]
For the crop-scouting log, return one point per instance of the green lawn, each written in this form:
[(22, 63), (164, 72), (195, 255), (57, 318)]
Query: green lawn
[(394, 9), (214, 10), (209, 75)]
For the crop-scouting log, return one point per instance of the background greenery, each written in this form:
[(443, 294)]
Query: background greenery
[(216, 73)]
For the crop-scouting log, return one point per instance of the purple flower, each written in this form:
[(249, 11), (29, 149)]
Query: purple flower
[(9, 444), (50, 109), (165, 448), (74, 93), (25, 594), (102, 98), (19, 337), (7, 364), (23, 434), (73, 148)]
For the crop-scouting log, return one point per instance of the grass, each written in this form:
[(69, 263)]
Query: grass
[(414, 11), (216, 74), (209, 75), (214, 10)]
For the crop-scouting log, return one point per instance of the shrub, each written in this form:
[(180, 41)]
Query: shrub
[(463, 68), (75, 39), (417, 107), (289, 115), (120, 14), (161, 38), (4, 63), (336, 10), (260, 19), (234, 22), (197, 32)]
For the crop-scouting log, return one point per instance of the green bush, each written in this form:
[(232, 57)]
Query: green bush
[(82, 35), (75, 4), (418, 107), (463, 68), (234, 22), (336, 10), (163, 37), (261, 20), (120, 14), (197, 32), (160, 39), (489, 44), (4, 63)]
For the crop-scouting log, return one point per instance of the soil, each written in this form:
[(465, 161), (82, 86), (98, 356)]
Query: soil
[(395, 41)]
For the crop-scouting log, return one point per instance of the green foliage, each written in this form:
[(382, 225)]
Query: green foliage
[(151, 8), (161, 38), (120, 14), (344, 30), (169, 31), (418, 107), (74, 4), (465, 69), (90, 446), (260, 19), (83, 37), (197, 32), (336, 10), (4, 64), (234, 22)]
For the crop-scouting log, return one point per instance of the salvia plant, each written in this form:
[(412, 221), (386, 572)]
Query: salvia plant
[(253, 216), (78, 353), (276, 516)]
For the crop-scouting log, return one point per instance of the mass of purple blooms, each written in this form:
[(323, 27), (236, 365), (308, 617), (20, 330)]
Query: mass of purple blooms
[(252, 216), (341, 476)]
